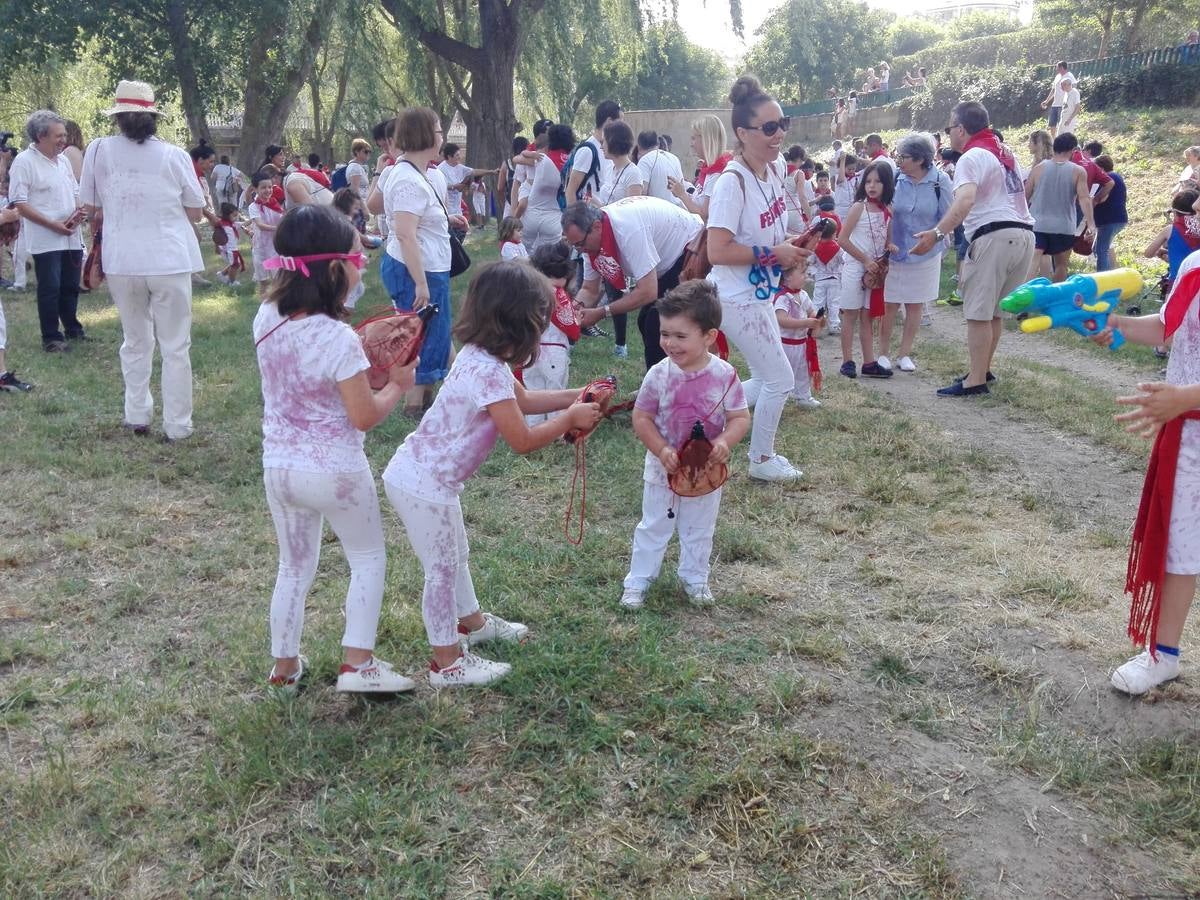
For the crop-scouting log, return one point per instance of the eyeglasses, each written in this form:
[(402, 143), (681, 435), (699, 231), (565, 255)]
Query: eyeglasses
[(297, 263), (952, 126), (769, 129)]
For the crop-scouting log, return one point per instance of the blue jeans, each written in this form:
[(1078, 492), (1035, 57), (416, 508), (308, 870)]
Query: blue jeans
[(1104, 239), (58, 293), (435, 349)]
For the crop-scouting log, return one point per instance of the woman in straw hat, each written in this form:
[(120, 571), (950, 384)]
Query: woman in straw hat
[(144, 194)]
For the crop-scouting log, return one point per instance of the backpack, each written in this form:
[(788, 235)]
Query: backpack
[(593, 173), (338, 180)]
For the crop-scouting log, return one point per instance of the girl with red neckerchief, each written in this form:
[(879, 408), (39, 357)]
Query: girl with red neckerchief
[(866, 237), (1164, 558), (708, 143), (265, 215), (512, 236)]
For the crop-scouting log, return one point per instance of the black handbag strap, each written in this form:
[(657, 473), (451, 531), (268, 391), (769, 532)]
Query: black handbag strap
[(436, 196)]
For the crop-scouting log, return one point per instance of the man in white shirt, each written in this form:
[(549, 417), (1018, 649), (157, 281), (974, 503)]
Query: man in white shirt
[(1070, 110), (989, 201), (43, 189), (657, 165), (590, 167), (458, 179), (146, 194), (1063, 82), (228, 182), (641, 239)]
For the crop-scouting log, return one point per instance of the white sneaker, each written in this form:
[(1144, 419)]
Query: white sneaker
[(883, 361), (835, 329), (774, 468), (468, 670), (222, 277), (1142, 673), (807, 402), (633, 598), (377, 677), (699, 595), (926, 320), (907, 365), (287, 683), (494, 628)]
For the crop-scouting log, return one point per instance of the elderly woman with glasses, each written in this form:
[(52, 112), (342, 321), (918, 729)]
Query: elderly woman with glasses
[(923, 194)]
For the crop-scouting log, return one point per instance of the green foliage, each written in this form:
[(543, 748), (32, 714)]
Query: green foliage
[(980, 24), (674, 73), (1010, 95), (910, 34), (1026, 47), (1121, 23), (806, 46), (1152, 86)]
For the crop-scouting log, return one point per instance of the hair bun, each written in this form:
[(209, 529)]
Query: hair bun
[(743, 89)]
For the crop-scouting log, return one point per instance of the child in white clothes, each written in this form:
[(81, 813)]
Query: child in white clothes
[(501, 323), (479, 201), (316, 405), (825, 268), (845, 184), (512, 236), (231, 250), (690, 386), (265, 215), (552, 368), (866, 236), (798, 328)]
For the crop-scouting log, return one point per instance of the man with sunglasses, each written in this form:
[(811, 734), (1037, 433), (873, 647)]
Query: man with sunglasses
[(989, 200), (638, 239)]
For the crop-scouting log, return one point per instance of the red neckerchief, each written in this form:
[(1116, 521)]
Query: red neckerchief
[(563, 315), (877, 154), (823, 192), (791, 169), (1179, 301), (270, 204), (827, 249), (199, 171), (606, 262), (877, 304), (316, 175), (988, 141), (228, 223), (1151, 531), (1185, 226), (558, 157), (716, 168), (277, 196)]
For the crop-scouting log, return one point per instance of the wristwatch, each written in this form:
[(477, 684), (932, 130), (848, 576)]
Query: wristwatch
[(939, 234)]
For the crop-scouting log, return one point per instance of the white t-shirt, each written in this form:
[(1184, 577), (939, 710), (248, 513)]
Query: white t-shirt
[(49, 186), (457, 433), (356, 168), (454, 175), (1187, 174), (617, 187), (317, 193), (513, 250), (678, 399), (305, 425), (1071, 101), (999, 194), (143, 189), (656, 166), (539, 189), (583, 162), (408, 190), (650, 234), (796, 305), (262, 243), (1059, 93), (222, 175), (843, 195), (756, 216)]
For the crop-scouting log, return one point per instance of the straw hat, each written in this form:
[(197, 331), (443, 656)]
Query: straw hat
[(134, 96)]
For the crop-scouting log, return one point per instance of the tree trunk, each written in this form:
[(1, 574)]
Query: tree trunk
[(1105, 32), (185, 69), (268, 102), (1135, 26)]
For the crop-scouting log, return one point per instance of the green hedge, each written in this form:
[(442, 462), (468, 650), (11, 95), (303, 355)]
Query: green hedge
[(1168, 85), (1027, 47), (1011, 95)]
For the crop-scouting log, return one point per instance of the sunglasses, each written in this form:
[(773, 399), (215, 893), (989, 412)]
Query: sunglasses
[(770, 129)]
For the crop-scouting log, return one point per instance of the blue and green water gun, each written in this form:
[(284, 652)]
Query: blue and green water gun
[(1082, 302)]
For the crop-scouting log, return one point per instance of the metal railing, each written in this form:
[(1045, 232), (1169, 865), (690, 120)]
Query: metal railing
[(1128, 62), (865, 101)]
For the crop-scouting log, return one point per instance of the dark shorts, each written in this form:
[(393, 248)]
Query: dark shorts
[(1053, 243), (1052, 119)]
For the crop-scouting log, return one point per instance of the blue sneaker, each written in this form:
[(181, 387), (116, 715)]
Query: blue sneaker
[(620, 351)]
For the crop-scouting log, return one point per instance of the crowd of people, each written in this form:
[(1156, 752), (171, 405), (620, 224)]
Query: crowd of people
[(761, 248)]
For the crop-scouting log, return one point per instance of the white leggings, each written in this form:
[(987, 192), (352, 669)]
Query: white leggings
[(799, 361), (549, 373), (827, 292), (299, 502), (754, 330), (439, 539), (696, 520)]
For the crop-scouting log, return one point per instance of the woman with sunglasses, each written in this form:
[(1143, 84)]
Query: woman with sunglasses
[(316, 405), (749, 249)]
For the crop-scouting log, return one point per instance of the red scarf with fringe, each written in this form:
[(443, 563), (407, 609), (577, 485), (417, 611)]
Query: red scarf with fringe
[(877, 307), (1151, 530), (563, 315), (606, 262), (988, 141)]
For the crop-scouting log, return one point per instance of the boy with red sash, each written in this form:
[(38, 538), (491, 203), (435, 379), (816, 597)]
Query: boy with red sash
[(798, 329), (1164, 558)]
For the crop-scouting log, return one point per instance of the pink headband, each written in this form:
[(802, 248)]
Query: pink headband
[(297, 263)]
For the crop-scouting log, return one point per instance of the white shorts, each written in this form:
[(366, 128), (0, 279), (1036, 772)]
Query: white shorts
[(914, 282), (854, 295)]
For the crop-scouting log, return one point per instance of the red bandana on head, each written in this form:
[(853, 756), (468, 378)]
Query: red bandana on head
[(606, 262), (988, 141)]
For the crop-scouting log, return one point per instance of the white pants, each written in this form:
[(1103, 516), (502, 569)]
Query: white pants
[(696, 520), (828, 293), (439, 539), (549, 373), (754, 330), (541, 226), (3, 332), (799, 363), (299, 501), (156, 307), (21, 256)]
